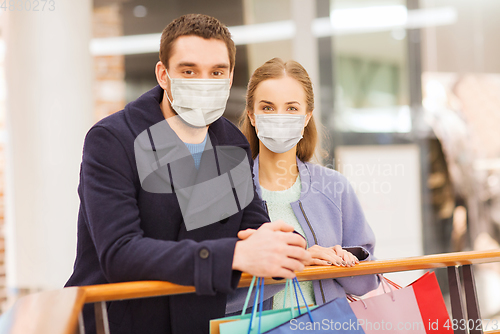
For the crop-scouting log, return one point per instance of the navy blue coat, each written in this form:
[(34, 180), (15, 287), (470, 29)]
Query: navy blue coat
[(128, 234)]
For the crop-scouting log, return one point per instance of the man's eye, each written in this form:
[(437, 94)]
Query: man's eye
[(188, 72), (217, 73)]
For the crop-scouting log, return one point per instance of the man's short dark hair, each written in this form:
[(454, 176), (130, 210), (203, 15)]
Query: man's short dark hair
[(198, 25)]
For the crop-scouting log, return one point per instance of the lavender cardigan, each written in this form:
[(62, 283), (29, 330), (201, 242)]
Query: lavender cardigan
[(330, 214)]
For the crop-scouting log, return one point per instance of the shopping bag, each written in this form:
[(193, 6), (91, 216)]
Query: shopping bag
[(431, 304), (418, 308), (336, 316), (268, 319)]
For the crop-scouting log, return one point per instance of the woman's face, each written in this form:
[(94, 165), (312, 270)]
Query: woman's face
[(280, 96)]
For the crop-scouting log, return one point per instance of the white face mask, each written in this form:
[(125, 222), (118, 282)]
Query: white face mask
[(199, 102), (280, 133)]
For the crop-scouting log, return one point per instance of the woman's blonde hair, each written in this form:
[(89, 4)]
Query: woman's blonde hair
[(276, 69)]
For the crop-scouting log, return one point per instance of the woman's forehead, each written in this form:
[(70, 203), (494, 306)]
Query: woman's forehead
[(282, 89)]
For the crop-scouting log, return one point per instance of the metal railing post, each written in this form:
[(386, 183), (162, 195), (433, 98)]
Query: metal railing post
[(101, 318), (473, 312), (457, 307), (81, 326)]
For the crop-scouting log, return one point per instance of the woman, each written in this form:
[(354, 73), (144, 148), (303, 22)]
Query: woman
[(318, 202)]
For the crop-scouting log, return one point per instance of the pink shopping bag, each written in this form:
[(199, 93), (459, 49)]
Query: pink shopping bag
[(415, 309)]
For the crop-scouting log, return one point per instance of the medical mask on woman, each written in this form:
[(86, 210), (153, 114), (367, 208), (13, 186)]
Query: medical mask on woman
[(199, 102), (280, 133)]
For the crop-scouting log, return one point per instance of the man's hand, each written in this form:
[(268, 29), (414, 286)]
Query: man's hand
[(272, 250), (277, 225)]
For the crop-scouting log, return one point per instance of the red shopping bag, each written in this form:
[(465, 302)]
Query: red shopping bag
[(431, 304), (418, 308)]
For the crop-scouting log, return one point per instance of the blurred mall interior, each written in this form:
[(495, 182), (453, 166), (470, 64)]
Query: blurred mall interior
[(407, 98)]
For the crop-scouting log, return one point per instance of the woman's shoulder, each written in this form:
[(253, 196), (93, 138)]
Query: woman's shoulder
[(327, 183), (319, 172)]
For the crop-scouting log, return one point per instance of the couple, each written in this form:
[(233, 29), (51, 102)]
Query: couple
[(127, 233)]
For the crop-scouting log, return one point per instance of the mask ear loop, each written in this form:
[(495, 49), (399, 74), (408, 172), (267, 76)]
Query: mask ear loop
[(170, 87)]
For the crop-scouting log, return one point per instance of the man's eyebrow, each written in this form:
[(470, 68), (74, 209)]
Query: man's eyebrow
[(221, 66), (186, 64)]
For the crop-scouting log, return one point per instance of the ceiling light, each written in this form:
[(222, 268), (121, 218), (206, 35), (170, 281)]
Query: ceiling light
[(340, 22), (140, 11), (375, 17)]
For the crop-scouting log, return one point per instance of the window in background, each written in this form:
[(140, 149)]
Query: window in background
[(370, 61)]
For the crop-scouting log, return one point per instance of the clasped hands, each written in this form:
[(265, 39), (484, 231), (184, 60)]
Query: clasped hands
[(272, 251)]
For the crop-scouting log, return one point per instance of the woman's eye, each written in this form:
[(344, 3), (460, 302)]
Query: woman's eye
[(292, 109), (267, 108)]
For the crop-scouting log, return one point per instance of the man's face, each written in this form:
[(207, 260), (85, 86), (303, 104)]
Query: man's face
[(196, 57), (193, 57)]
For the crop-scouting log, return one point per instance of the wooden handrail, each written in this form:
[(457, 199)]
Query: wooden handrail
[(54, 312), (129, 290)]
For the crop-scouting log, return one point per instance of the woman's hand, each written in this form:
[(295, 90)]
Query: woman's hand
[(327, 256), (324, 256), (349, 258)]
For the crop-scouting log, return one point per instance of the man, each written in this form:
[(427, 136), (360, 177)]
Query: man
[(126, 233)]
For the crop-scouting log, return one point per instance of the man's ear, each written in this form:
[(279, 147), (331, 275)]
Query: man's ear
[(161, 76), (231, 78)]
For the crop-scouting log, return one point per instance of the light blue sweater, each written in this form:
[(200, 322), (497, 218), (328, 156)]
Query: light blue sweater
[(278, 204), (196, 151), (330, 214)]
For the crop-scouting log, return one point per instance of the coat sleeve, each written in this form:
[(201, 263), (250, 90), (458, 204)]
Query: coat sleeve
[(108, 190), (358, 238)]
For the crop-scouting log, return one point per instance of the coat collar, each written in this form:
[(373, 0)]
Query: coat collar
[(146, 112), (305, 177)]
